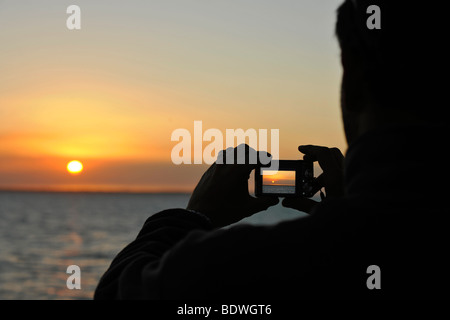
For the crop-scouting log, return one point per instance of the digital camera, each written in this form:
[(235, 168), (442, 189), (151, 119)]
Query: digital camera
[(286, 178)]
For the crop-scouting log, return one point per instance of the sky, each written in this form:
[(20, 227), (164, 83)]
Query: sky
[(112, 93), (279, 178)]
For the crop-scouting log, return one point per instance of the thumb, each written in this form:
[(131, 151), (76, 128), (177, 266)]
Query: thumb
[(261, 203), (301, 203)]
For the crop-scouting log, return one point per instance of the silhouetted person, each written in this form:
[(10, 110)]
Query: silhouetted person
[(386, 203)]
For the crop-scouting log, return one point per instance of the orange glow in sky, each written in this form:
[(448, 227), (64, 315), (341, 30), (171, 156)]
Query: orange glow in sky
[(271, 177), (112, 93)]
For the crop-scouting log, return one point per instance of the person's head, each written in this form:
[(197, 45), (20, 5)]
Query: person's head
[(390, 75)]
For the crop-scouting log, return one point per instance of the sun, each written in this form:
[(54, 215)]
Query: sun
[(74, 167)]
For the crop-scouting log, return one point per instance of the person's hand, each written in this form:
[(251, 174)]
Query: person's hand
[(331, 161), (222, 193)]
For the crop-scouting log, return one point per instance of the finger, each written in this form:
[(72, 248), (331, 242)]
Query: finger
[(248, 167), (316, 153), (322, 196), (251, 158), (335, 155), (338, 156), (261, 203), (327, 157), (264, 158), (242, 154), (309, 157), (320, 181), (242, 160), (310, 149), (302, 204), (317, 184), (222, 156)]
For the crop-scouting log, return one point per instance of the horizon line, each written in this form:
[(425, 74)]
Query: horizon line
[(93, 190)]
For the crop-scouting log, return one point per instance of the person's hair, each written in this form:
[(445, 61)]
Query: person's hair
[(402, 61)]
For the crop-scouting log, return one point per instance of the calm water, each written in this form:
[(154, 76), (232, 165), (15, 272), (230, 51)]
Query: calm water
[(280, 189), (41, 234)]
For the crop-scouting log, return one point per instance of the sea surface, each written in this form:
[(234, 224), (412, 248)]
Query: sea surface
[(41, 234), (280, 189)]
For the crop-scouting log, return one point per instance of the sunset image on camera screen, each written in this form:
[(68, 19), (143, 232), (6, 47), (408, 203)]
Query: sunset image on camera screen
[(278, 181)]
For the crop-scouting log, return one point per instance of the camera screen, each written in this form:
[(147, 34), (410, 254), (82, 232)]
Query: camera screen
[(278, 182)]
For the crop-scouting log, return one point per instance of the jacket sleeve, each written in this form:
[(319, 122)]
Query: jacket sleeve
[(137, 271), (178, 255)]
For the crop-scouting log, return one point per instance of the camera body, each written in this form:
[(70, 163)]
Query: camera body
[(286, 178)]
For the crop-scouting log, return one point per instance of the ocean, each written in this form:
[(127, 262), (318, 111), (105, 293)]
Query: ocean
[(41, 234), (278, 189)]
